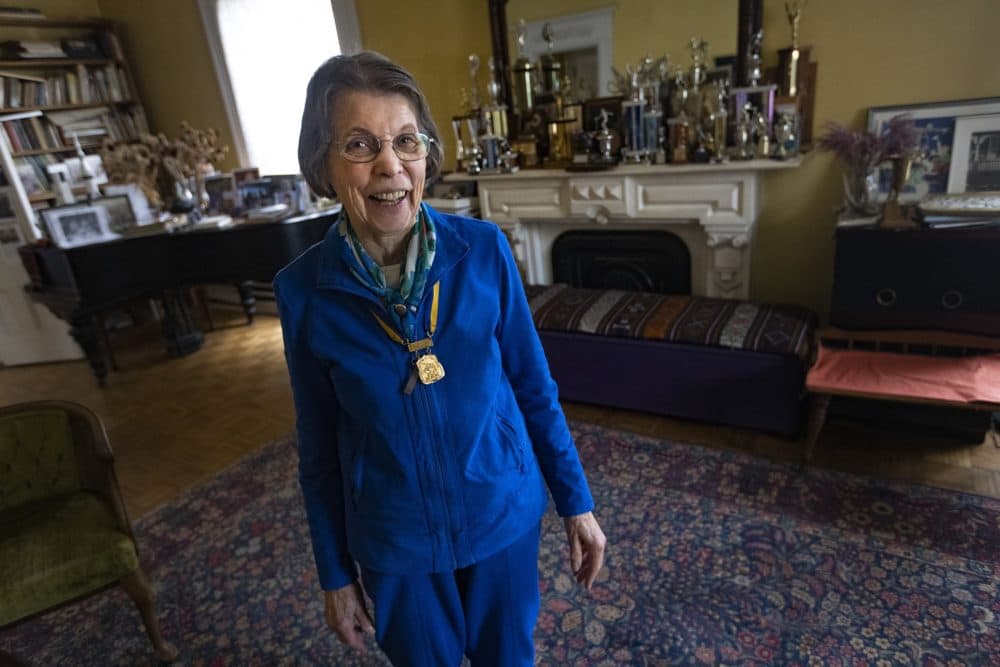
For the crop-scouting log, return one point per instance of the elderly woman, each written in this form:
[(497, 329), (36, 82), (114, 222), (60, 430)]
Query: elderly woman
[(427, 420)]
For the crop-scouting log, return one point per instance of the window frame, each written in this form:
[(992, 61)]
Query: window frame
[(345, 17)]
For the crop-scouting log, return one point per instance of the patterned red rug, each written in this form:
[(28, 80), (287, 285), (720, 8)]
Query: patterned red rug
[(715, 557)]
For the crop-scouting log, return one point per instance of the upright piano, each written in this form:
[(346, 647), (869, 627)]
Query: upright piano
[(77, 284)]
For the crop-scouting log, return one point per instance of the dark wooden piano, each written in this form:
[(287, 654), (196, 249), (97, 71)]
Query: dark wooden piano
[(78, 284)]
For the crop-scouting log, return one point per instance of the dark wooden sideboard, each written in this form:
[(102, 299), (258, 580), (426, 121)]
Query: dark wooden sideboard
[(937, 279)]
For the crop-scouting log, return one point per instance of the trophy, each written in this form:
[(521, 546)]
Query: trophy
[(785, 137), (753, 60), (524, 75), (790, 72), (473, 71), (699, 56), (456, 127), (496, 113), (551, 68)]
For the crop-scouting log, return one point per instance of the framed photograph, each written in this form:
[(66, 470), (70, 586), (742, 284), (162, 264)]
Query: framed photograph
[(77, 173), (246, 174), (975, 156), (77, 225), (119, 210), (255, 194), (592, 113), (935, 123), (221, 191), (291, 190), (141, 210)]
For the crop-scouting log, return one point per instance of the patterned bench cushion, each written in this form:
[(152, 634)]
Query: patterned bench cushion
[(677, 318)]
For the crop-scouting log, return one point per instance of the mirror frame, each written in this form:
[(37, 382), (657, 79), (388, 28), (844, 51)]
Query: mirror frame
[(750, 18)]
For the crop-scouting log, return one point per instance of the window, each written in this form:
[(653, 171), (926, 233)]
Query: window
[(264, 53)]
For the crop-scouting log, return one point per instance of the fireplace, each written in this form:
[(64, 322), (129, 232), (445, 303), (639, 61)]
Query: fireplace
[(711, 208), (640, 261)]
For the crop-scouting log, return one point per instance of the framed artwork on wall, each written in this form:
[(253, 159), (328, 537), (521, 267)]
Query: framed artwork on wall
[(935, 123), (975, 158)]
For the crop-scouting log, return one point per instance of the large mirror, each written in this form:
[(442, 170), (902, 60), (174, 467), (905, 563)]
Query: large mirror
[(590, 36)]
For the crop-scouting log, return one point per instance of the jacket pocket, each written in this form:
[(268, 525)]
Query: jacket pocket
[(358, 473), (513, 440)]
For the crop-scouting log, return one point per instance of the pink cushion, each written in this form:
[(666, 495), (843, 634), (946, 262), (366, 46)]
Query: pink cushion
[(958, 379)]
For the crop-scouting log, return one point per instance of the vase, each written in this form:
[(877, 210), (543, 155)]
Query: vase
[(893, 215), (860, 192)]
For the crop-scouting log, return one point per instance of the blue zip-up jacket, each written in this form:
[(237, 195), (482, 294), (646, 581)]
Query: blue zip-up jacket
[(455, 471)]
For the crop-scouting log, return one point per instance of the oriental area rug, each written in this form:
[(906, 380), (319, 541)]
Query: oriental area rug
[(714, 557)]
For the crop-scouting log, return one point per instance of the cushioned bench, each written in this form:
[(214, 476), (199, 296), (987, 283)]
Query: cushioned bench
[(933, 368), (717, 360)]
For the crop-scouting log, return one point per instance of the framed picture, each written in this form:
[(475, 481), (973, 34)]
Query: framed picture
[(119, 210), (141, 210), (246, 174), (935, 123), (221, 191), (592, 113), (975, 156), (77, 225), (255, 194)]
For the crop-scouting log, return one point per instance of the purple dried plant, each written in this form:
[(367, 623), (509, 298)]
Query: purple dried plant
[(861, 151), (901, 137)]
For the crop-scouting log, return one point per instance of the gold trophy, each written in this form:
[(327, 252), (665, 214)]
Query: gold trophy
[(790, 73)]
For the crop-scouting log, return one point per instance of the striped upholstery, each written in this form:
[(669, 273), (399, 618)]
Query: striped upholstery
[(677, 318)]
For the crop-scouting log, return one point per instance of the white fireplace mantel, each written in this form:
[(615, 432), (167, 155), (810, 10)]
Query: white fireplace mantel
[(712, 207)]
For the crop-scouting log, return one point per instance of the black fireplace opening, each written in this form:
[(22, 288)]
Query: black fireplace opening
[(640, 261)]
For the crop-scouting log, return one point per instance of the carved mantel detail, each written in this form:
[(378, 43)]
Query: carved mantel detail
[(713, 208)]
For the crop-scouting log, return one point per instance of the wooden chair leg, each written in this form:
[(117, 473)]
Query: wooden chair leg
[(138, 588), (819, 404)]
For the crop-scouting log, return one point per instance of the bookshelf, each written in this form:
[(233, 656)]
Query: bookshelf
[(48, 101)]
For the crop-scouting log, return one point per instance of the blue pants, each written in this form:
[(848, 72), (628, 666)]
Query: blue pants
[(486, 611)]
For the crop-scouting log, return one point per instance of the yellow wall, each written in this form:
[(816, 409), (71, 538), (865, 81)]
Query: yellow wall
[(870, 53), (172, 65)]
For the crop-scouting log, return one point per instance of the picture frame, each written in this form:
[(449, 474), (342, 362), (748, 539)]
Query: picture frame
[(935, 123), (291, 190), (121, 216), (141, 210), (77, 225), (246, 174), (592, 112), (221, 191), (975, 155)]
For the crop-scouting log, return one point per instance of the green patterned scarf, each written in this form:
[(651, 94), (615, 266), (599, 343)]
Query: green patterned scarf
[(402, 303)]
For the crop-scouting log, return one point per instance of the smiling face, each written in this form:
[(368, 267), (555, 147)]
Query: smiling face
[(382, 196)]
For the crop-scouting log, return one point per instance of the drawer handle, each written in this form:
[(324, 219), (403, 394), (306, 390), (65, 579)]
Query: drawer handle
[(952, 299), (885, 297)]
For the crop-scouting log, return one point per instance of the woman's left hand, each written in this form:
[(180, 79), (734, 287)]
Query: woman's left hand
[(586, 547)]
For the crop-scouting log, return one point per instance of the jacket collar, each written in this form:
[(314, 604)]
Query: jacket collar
[(333, 268)]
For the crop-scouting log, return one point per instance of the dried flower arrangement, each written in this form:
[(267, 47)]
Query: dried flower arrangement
[(156, 163), (861, 152)]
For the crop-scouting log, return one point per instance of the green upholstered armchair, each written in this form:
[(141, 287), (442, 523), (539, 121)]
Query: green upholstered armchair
[(64, 533)]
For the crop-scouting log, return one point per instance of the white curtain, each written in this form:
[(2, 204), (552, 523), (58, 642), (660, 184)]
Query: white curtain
[(271, 49)]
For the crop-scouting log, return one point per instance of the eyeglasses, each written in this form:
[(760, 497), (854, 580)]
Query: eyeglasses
[(407, 146)]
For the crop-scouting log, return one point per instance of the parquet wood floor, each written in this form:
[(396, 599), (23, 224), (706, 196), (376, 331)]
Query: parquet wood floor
[(173, 423)]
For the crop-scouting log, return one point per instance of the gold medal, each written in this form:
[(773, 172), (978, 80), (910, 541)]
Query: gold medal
[(429, 369)]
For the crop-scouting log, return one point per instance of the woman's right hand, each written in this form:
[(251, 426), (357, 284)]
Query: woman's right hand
[(347, 615)]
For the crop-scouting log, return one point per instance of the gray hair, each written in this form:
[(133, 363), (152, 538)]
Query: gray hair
[(366, 72)]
